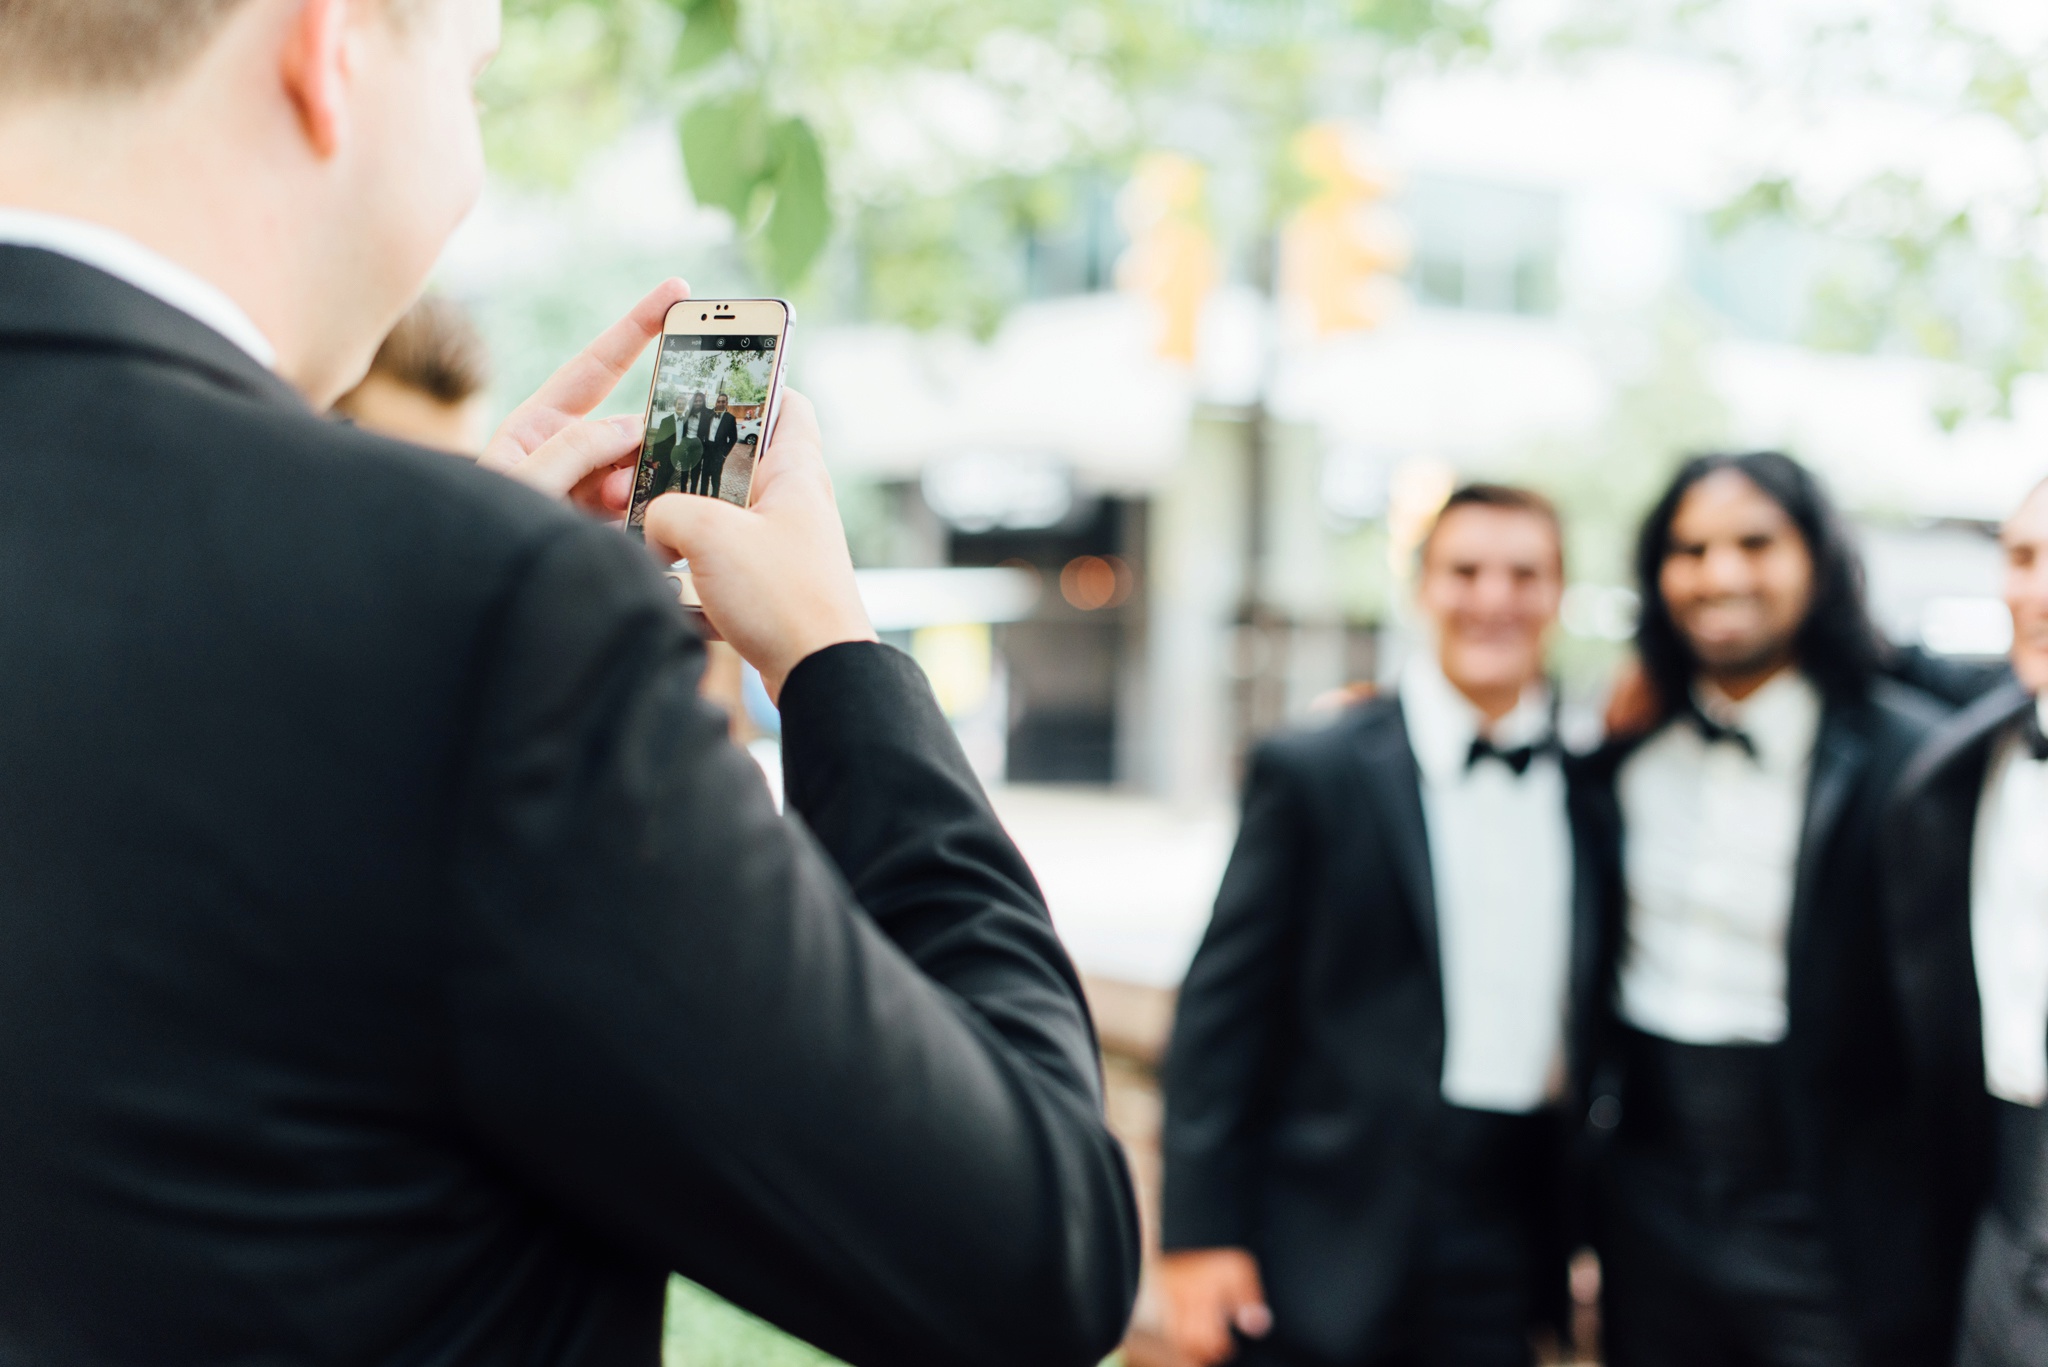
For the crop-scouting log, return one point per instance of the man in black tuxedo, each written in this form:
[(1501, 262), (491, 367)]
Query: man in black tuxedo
[(661, 456), (397, 962), (1967, 884), (693, 433), (1363, 1134), (724, 430), (1764, 1198)]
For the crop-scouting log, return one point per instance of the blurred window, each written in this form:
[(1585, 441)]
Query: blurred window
[(1758, 276), (1075, 252), (1486, 247)]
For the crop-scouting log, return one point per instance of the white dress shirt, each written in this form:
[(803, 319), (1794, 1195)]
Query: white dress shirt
[(2009, 921), (1500, 855), (126, 259), (1710, 857)]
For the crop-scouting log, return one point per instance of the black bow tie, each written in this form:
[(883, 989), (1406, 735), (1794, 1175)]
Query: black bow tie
[(2030, 732), (1518, 759), (1714, 733)]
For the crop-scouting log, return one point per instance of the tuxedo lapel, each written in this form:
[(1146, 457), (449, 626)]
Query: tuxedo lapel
[(1938, 795), (1393, 784), (1840, 753)]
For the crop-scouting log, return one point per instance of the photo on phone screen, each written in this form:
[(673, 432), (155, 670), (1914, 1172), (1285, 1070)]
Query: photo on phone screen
[(707, 423)]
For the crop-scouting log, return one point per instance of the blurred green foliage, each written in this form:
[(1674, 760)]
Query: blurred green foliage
[(936, 135), (1920, 260), (896, 153)]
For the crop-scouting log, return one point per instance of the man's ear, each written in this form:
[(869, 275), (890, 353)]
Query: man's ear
[(315, 71)]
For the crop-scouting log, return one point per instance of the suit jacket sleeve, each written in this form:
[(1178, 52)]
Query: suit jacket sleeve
[(836, 1068), (1232, 1009)]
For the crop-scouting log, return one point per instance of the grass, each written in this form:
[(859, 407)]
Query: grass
[(704, 1331)]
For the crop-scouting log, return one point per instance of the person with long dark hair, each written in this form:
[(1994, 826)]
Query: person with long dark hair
[(1762, 1195)]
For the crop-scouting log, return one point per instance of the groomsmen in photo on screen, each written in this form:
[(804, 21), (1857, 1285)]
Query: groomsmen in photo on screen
[(693, 426), (1967, 880), (724, 429), (1764, 1195), (661, 451), (1366, 1088)]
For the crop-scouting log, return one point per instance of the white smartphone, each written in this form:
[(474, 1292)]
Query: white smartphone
[(712, 405)]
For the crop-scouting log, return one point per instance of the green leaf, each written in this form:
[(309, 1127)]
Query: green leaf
[(801, 221), (726, 152), (710, 30)]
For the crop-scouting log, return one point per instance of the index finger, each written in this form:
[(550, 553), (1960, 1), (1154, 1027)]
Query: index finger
[(584, 380)]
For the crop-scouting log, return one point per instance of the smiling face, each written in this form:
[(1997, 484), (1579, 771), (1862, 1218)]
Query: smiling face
[(2026, 588), (1492, 579), (1737, 578)]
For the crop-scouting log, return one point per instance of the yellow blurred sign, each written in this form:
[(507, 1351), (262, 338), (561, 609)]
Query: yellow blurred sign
[(1172, 258), (1342, 251), (959, 661)]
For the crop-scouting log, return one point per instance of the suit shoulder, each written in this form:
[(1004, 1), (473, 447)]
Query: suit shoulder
[(1905, 714), (1317, 749), (1910, 703), (1965, 735), (441, 482), (440, 515), (356, 519)]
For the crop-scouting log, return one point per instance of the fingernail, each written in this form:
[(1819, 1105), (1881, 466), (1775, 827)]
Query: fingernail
[(1254, 1320)]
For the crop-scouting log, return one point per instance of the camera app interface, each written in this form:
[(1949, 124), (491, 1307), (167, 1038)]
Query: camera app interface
[(704, 432)]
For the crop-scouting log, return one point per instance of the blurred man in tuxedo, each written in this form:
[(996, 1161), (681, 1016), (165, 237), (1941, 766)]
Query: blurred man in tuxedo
[(724, 431), (661, 455), (1763, 1198), (1967, 851), (1363, 1130), (397, 962)]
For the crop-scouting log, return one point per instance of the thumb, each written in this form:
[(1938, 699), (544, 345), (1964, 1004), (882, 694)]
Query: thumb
[(578, 451), (1253, 1319), (683, 524)]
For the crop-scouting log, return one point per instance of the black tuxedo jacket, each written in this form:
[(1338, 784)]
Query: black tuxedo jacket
[(397, 965), (1304, 1081), (1930, 835), (1848, 1092), (725, 430)]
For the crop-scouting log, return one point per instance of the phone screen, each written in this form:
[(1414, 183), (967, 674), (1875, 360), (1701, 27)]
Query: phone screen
[(707, 422)]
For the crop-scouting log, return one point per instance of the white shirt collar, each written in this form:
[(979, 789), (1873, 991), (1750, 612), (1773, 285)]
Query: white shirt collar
[(1442, 722), (1782, 718), (127, 260)]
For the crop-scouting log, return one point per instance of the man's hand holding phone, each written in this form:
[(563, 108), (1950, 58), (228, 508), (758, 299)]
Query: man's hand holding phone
[(776, 579), (550, 443)]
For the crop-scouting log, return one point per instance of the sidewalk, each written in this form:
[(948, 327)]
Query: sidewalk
[(1130, 879)]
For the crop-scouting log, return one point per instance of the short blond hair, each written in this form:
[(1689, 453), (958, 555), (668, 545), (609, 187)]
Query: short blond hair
[(105, 46), (435, 349)]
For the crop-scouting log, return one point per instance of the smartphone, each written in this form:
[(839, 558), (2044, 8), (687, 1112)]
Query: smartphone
[(711, 407)]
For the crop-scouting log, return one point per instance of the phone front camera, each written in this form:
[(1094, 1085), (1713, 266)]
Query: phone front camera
[(702, 316)]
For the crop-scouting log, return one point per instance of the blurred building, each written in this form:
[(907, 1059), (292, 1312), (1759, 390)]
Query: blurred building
[(1566, 265), (1577, 314)]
